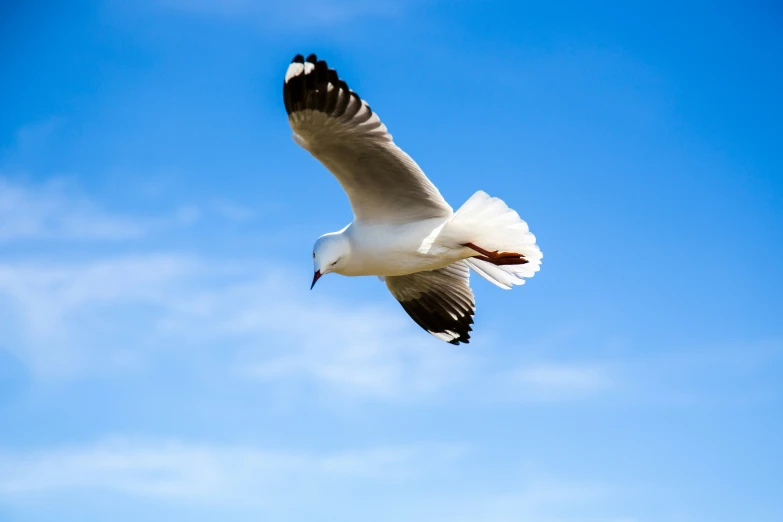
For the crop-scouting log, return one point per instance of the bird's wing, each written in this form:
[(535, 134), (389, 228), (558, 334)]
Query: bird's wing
[(440, 301), (383, 183)]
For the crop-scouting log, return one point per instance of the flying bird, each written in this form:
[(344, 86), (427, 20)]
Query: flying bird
[(403, 230)]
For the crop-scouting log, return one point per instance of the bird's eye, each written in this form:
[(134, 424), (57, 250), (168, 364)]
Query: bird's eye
[(333, 263), (313, 255)]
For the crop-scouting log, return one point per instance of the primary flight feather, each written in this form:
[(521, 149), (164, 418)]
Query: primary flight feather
[(403, 230)]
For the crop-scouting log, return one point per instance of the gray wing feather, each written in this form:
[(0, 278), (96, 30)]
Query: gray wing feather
[(383, 183)]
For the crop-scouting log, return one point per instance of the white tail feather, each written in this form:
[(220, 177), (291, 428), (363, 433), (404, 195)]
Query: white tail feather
[(489, 223)]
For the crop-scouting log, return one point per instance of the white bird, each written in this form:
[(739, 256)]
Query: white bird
[(403, 230)]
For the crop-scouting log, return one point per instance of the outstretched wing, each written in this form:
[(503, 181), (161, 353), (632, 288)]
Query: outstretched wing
[(440, 301), (329, 120)]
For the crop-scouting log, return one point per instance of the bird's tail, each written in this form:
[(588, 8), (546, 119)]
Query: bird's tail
[(506, 251)]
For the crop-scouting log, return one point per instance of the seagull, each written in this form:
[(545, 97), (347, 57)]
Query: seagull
[(403, 231)]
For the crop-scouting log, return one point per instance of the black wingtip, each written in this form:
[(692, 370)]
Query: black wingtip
[(307, 87), (464, 339)]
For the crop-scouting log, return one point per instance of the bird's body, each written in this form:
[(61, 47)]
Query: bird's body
[(403, 230), (397, 249)]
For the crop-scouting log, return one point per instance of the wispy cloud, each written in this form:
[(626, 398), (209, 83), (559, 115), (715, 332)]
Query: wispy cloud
[(103, 312), (65, 318), (558, 381), (233, 211), (201, 474), (119, 312), (190, 214), (297, 484), (71, 317), (53, 210), (675, 377), (58, 210)]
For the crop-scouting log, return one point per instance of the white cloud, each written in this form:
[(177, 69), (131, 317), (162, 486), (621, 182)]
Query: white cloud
[(115, 312), (197, 474), (557, 381), (288, 333), (55, 211), (121, 312), (401, 482), (118, 313), (71, 317), (365, 348)]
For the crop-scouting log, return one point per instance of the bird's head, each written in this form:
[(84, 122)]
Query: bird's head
[(330, 254)]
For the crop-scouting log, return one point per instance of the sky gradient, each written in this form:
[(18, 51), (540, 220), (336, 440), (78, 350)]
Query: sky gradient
[(161, 356)]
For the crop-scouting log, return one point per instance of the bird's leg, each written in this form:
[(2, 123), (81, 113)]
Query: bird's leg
[(497, 258)]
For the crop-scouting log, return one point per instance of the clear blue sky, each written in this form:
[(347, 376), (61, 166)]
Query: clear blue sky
[(161, 357)]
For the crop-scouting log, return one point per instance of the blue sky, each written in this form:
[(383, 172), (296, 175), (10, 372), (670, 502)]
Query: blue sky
[(161, 357)]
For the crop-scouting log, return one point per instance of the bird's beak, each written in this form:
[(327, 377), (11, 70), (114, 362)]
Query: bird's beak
[(316, 277)]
